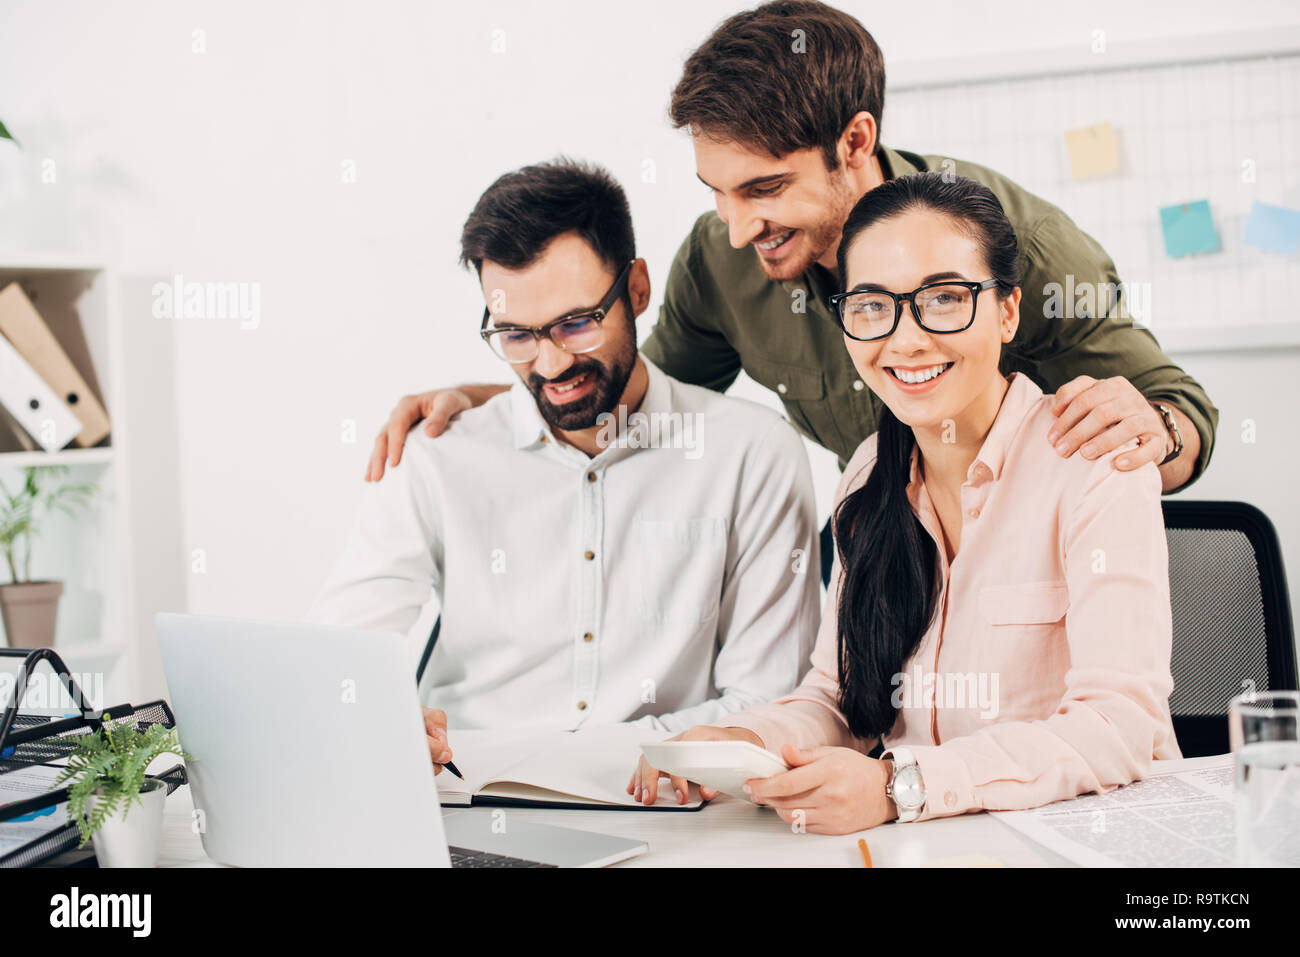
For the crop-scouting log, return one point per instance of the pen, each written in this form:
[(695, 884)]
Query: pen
[(449, 765), (862, 846)]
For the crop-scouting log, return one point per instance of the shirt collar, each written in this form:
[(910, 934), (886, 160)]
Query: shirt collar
[(893, 164), (532, 432), (1022, 394), (530, 429)]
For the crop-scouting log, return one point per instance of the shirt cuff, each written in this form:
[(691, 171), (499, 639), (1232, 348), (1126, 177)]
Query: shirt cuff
[(948, 786)]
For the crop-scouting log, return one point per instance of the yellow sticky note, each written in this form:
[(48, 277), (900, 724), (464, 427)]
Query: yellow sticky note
[(1094, 151)]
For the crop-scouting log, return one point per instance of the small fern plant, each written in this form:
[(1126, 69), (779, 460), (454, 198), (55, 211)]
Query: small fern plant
[(112, 761)]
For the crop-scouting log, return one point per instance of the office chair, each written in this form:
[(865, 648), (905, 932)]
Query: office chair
[(1231, 614)]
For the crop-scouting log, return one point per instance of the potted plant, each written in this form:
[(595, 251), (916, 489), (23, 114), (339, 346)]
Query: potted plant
[(108, 775), (29, 609)]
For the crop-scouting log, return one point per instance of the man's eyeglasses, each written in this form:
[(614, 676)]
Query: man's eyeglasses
[(939, 307), (576, 334)]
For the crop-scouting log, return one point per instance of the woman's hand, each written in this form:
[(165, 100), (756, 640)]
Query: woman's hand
[(644, 786), (435, 733), (827, 790)]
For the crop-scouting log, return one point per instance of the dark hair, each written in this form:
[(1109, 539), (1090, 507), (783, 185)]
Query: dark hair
[(889, 574), (754, 81), (520, 213)]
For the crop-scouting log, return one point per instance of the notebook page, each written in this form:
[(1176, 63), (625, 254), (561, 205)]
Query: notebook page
[(591, 766), (483, 755)]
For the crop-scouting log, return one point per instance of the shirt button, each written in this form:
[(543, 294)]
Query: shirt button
[(588, 555), (780, 387), (582, 706), (974, 513), (950, 798), (591, 476), (588, 637), (857, 385)]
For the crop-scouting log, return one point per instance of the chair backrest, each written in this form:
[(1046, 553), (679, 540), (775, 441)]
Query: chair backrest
[(1231, 616)]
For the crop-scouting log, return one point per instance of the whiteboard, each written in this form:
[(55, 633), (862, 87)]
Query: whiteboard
[(1224, 129)]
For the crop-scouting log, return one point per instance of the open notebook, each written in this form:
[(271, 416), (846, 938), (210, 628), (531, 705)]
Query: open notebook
[(574, 769)]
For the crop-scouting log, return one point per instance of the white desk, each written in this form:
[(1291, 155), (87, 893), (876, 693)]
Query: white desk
[(726, 833)]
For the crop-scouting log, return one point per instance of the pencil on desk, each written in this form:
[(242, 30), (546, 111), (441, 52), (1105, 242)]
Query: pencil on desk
[(866, 854)]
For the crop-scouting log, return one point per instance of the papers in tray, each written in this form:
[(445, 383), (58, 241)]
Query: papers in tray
[(24, 783)]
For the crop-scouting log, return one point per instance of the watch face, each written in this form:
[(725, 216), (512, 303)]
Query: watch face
[(908, 789)]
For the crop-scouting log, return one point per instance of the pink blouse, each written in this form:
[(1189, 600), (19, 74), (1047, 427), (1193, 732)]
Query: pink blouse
[(1045, 673)]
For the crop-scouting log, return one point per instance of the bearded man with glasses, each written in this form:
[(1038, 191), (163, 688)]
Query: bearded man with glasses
[(585, 578)]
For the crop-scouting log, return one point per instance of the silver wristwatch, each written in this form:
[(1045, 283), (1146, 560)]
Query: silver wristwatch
[(905, 787), (1171, 427)]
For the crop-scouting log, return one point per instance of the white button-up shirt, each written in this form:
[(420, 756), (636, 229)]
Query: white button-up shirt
[(669, 585)]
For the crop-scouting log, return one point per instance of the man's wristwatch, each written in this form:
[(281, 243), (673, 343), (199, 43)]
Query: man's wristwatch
[(1171, 426), (905, 786)]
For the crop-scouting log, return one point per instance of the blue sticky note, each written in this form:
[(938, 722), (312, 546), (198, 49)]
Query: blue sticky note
[(1275, 229), (1189, 229)]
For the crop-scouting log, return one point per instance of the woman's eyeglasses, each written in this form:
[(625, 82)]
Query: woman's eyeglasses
[(939, 307), (576, 334)]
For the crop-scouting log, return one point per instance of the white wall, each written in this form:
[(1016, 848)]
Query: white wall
[(226, 165)]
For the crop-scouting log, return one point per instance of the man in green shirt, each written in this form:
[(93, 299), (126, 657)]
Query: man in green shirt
[(784, 104)]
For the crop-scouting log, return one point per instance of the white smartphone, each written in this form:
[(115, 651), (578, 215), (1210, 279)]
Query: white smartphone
[(722, 765)]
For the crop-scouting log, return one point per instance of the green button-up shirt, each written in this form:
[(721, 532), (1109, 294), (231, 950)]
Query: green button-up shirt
[(721, 314)]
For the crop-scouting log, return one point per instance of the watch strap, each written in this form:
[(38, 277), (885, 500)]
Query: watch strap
[(1171, 427), (900, 758)]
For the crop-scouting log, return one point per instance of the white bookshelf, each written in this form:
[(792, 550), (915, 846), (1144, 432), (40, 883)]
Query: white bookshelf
[(92, 553), (71, 456)]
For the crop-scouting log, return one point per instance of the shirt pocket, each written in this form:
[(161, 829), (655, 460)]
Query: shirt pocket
[(1023, 644), (681, 563), (803, 393), (1033, 603)]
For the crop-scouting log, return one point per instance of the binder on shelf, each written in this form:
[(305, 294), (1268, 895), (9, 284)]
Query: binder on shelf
[(13, 437), (23, 326), (33, 744), (32, 403)]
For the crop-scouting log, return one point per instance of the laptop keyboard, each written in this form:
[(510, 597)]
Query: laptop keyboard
[(464, 857)]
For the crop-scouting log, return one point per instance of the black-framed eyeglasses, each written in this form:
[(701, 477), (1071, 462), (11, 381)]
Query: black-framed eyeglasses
[(938, 307), (575, 334)]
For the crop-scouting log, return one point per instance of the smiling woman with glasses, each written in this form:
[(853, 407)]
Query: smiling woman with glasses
[(998, 616), (575, 334)]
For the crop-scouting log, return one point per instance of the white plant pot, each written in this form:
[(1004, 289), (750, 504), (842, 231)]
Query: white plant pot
[(131, 837)]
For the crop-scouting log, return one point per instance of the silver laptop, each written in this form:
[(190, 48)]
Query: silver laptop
[(309, 750)]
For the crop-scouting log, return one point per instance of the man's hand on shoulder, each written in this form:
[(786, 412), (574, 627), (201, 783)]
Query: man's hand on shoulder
[(1097, 416), (437, 407)]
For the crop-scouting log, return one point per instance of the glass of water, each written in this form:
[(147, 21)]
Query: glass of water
[(1264, 735)]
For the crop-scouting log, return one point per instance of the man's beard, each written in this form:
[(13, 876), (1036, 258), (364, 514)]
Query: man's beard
[(607, 389), (818, 238)]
